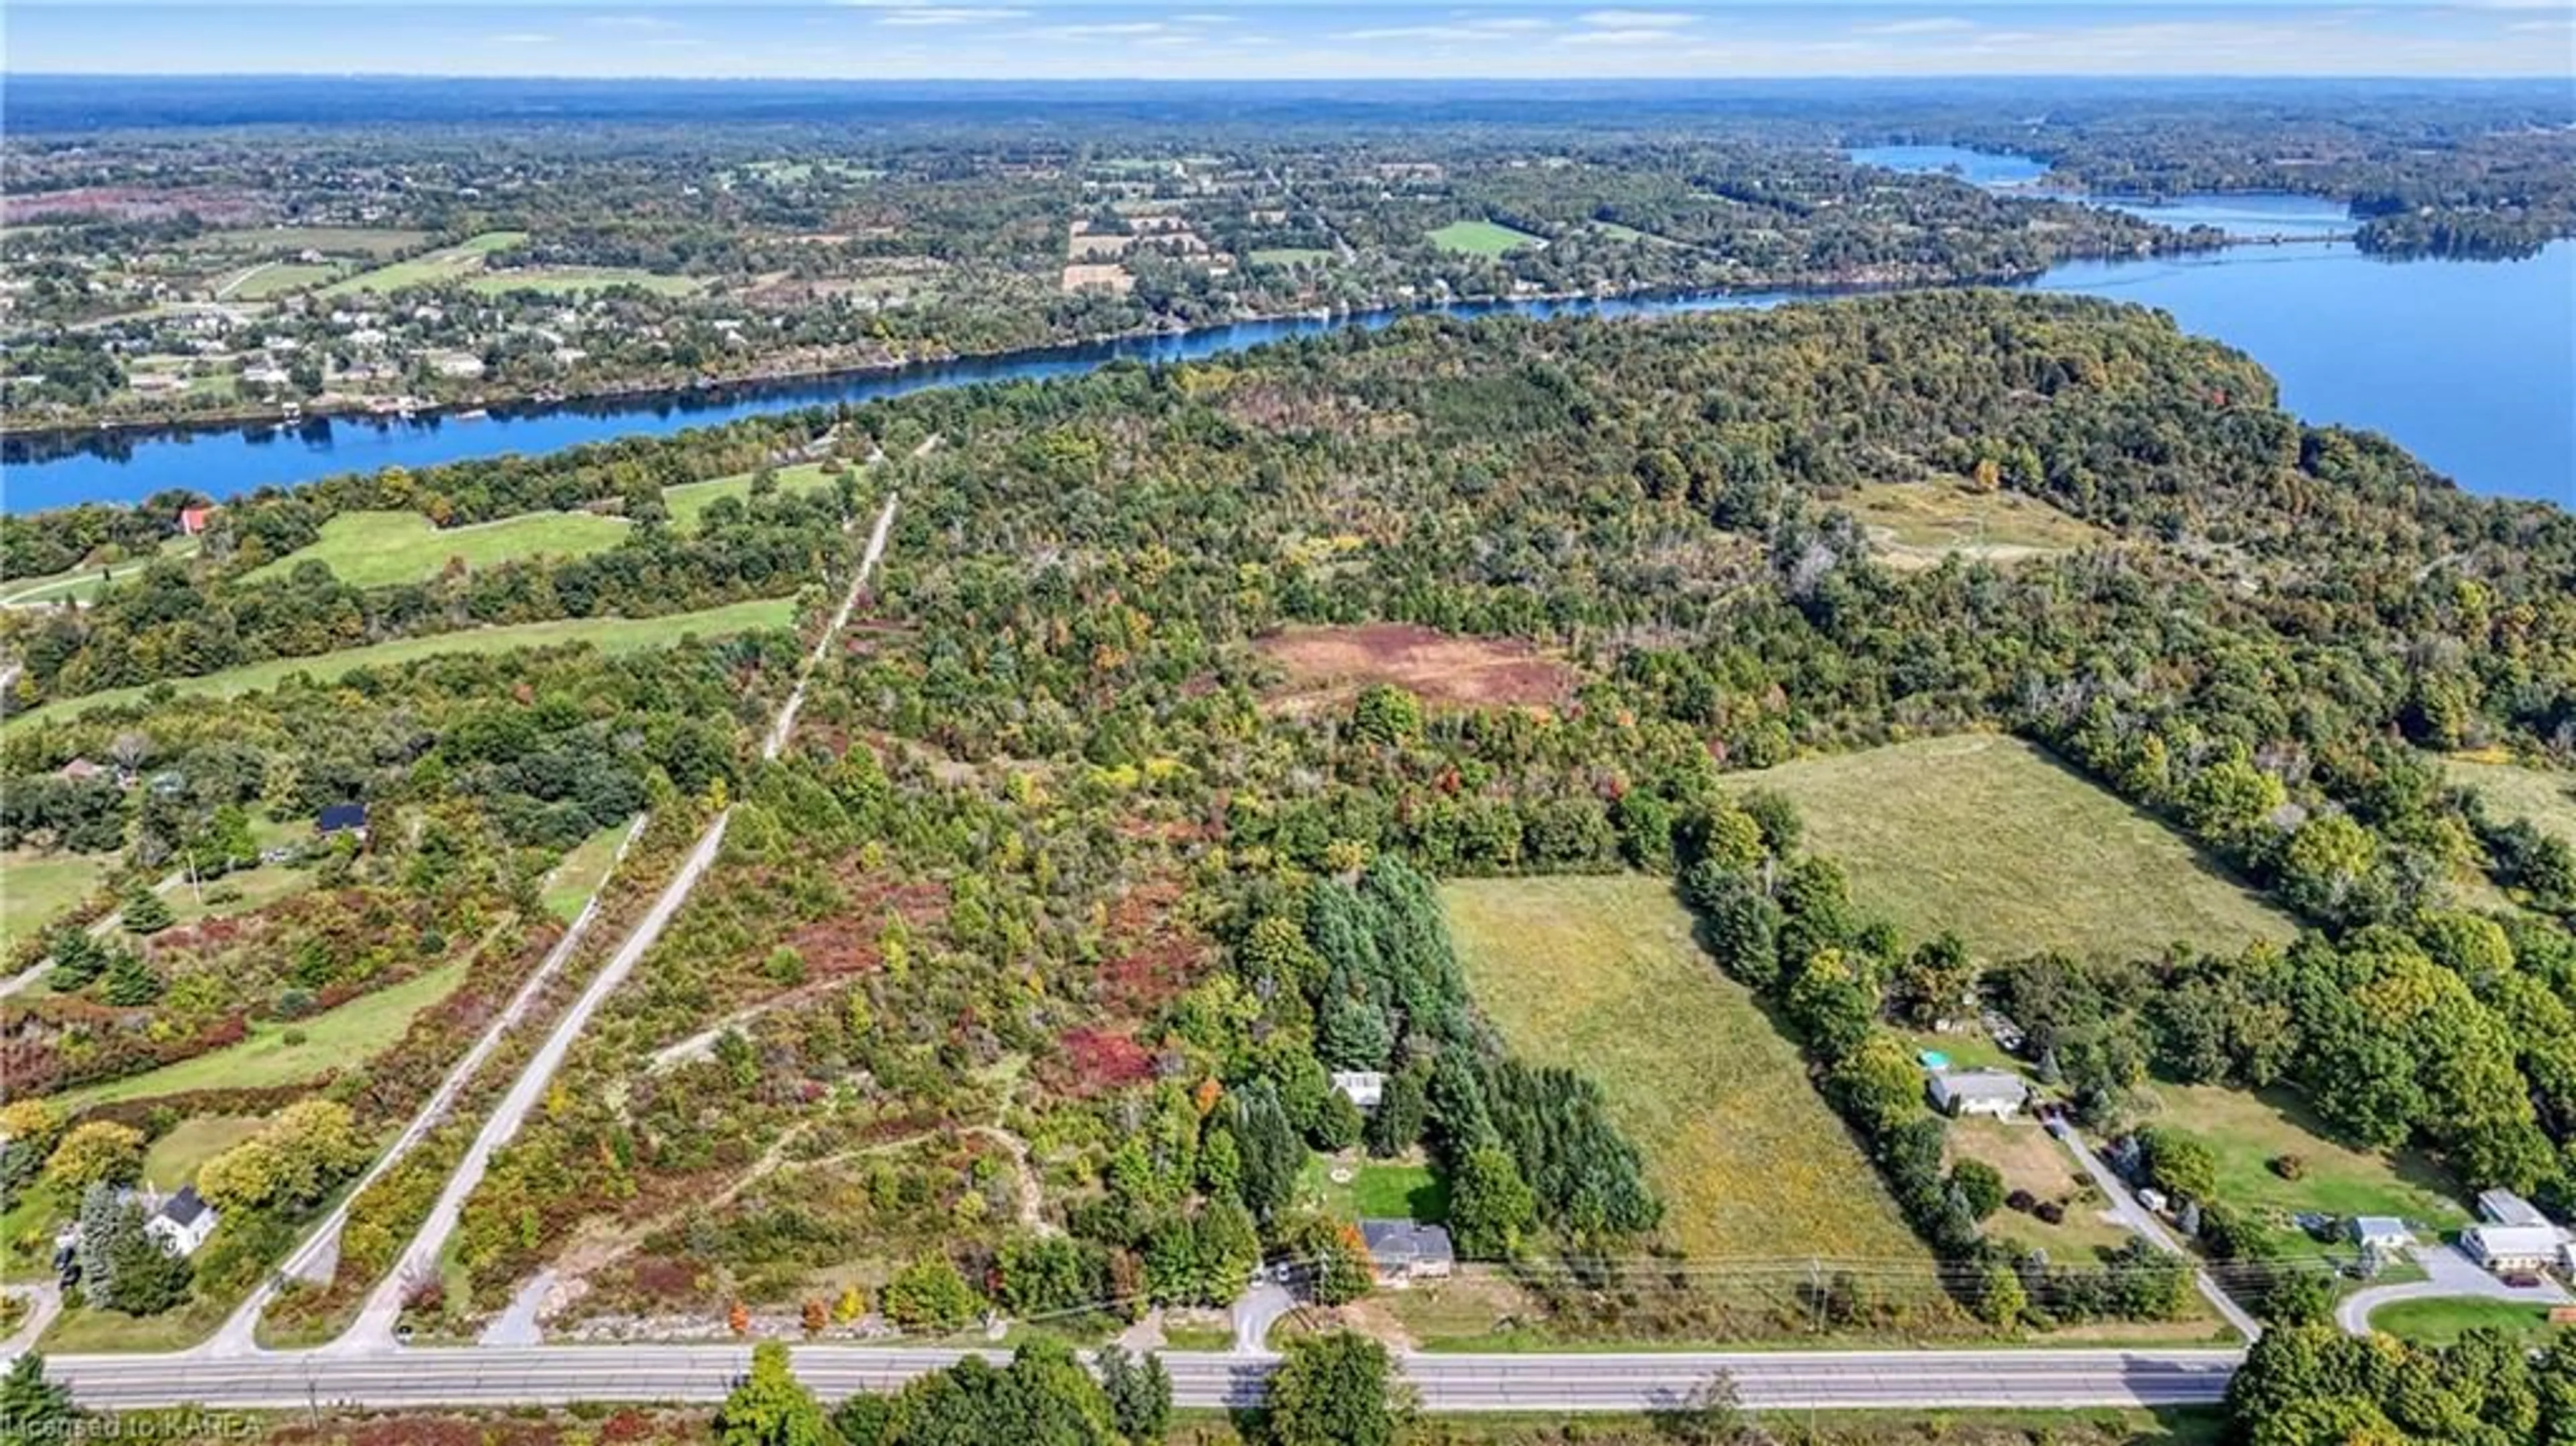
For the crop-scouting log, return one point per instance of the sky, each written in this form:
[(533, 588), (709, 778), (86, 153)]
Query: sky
[(1210, 39)]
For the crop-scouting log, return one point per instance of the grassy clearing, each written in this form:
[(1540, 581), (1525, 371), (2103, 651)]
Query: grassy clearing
[(1376, 1189), (452, 264), (2547, 797), (379, 549), (237, 893), (581, 871), (689, 501), (1482, 238), (173, 1159), (80, 584), (277, 280), (277, 1054), (371, 242), (579, 280), (1917, 524), (36, 889), (2247, 1130), (1994, 839), (1291, 256), (609, 635), (1602, 974), (2030, 1160), (79, 1331), (2440, 1322)]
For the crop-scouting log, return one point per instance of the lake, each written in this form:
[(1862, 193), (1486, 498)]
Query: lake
[(2471, 365), (1978, 168)]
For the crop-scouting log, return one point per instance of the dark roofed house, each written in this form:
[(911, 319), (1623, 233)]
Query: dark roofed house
[(342, 818), (1404, 1252), (183, 1222)]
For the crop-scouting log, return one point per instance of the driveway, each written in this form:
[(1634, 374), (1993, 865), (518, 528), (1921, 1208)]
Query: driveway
[(1256, 1311), (2143, 1220), (44, 1302), (2450, 1275)]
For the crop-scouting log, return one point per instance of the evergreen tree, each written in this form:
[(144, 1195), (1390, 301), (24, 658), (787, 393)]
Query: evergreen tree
[(770, 1407)]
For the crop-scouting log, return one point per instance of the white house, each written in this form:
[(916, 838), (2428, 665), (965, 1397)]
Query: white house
[(183, 1222), (1362, 1087), (2508, 1248), (2384, 1233), (1995, 1092)]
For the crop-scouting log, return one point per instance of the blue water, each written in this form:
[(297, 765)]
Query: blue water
[(2471, 365), (1979, 168), (2257, 213)]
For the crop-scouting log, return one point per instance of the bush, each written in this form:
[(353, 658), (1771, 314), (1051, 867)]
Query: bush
[(2022, 1200), (1980, 1184), (2051, 1212), (2290, 1167)]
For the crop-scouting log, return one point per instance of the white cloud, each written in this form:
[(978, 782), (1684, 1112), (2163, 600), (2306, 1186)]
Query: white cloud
[(1633, 36), (1123, 27), (519, 37), (634, 22), (1637, 19), (948, 15), (1928, 25)]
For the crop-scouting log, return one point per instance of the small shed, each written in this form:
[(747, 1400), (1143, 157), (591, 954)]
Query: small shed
[(1362, 1087), (2384, 1233), (1403, 1251), (1995, 1092)]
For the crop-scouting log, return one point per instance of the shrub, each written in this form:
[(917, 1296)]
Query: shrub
[(2051, 1212), (2290, 1167), (2022, 1200)]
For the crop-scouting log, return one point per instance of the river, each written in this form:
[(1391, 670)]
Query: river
[(2471, 365)]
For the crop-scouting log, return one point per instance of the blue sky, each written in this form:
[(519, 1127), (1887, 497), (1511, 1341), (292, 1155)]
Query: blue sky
[(1209, 39)]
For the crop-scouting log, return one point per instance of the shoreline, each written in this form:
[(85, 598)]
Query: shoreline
[(39, 444)]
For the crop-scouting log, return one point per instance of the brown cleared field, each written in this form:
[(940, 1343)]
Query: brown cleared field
[(1994, 839), (1601, 974), (1327, 666), (2029, 1159)]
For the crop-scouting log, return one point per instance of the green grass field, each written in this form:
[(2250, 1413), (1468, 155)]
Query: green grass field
[(2030, 1159), (36, 889), (1992, 838), (277, 280), (1377, 1190), (372, 242), (2547, 797), (333, 1039), (82, 583), (2246, 1130), (2440, 1322), (379, 549), (610, 635), (1916, 524), (1482, 238), (238, 892), (577, 280), (454, 263), (1291, 256), (580, 872), (1601, 974), (173, 1159), (689, 501)]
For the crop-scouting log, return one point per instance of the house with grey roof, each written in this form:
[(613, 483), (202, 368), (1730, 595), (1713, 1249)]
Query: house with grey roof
[(1403, 1251)]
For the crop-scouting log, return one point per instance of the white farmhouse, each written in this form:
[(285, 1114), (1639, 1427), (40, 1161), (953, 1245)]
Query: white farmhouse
[(1995, 1092)]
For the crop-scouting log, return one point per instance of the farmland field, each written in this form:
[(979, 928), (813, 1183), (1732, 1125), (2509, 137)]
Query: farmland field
[(373, 242), (377, 549), (1482, 238), (274, 279), (1992, 838), (2547, 797), (1291, 256), (1601, 974), (574, 280), (2247, 1130), (612, 635), (451, 264), (333, 1039)]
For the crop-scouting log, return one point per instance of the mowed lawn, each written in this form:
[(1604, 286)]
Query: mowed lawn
[(581, 871), (689, 501), (2441, 1322), (173, 1159), (2247, 1130), (2546, 797), (609, 635), (1600, 973), (277, 1054), (380, 549), (1990, 837), (1482, 238), (450, 264), (38, 888)]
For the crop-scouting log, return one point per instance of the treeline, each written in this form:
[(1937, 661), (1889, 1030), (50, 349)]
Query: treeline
[(2314, 1385), (2455, 1032)]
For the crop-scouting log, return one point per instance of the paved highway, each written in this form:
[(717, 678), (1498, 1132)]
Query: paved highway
[(1772, 1380)]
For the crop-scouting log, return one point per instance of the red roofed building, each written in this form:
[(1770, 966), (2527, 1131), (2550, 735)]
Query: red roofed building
[(192, 520)]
